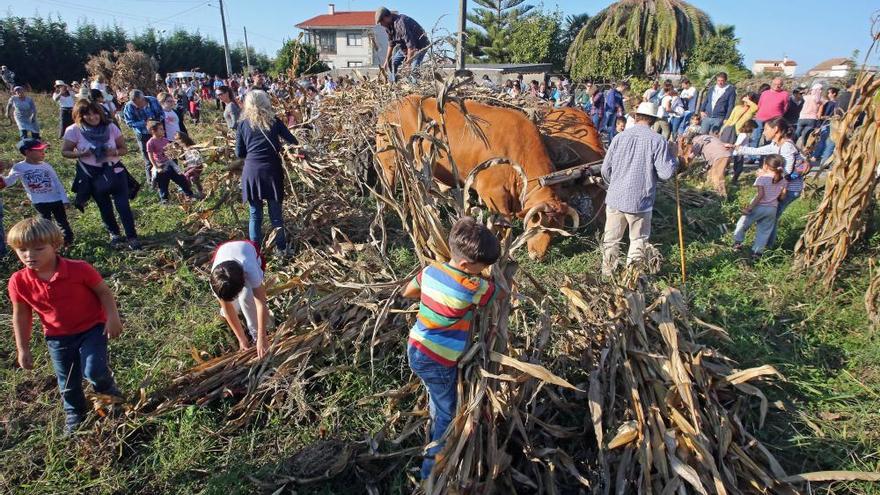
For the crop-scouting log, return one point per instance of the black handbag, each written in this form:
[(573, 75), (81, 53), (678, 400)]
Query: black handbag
[(101, 181)]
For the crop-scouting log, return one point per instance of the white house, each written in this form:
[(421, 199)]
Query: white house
[(785, 67), (833, 67), (346, 39)]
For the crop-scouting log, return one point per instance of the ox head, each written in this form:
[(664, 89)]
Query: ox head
[(550, 215)]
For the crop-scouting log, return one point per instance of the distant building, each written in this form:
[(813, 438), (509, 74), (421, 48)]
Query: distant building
[(346, 39), (833, 67), (785, 67)]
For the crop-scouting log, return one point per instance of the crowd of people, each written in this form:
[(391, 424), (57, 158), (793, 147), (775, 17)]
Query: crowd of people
[(648, 136)]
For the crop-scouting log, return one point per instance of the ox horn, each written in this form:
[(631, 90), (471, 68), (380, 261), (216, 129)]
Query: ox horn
[(529, 214), (575, 217)]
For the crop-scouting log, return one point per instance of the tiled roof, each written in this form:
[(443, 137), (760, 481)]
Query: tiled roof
[(786, 62), (340, 19), (831, 62)]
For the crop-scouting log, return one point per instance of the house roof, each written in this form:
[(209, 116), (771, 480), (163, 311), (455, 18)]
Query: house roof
[(831, 62), (340, 19), (788, 63)]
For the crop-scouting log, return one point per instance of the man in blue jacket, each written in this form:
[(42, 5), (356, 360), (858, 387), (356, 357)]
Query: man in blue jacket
[(136, 113), (614, 107), (718, 105)]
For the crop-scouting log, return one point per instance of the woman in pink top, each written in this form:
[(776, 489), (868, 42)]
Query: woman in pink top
[(98, 145), (809, 116)]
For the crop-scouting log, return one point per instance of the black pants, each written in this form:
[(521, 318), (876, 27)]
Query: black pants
[(56, 210), (171, 175)]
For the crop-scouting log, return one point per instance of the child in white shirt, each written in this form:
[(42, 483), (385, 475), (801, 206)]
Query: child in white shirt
[(41, 184)]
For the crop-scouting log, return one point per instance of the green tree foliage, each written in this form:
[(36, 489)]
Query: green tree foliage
[(664, 31), (302, 57), (571, 27), (604, 59), (718, 49), (536, 39), (490, 36), (41, 50)]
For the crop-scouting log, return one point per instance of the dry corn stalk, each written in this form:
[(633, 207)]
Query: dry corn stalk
[(839, 221)]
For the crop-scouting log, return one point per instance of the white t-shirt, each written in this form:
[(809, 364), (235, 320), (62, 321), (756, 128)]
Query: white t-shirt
[(172, 125), (245, 254), (64, 101), (74, 135), (687, 94), (717, 93), (40, 182)]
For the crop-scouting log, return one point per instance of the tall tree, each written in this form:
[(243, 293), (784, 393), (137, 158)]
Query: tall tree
[(489, 40), (665, 31), (571, 27), (536, 39), (718, 49), (299, 58)]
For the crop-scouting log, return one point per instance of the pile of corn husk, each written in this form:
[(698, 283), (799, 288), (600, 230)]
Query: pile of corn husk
[(578, 387), (839, 221)]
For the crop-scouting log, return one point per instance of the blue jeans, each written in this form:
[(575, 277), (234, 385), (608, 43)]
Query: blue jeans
[(783, 204), (610, 123), (597, 120), (440, 381), (683, 123), (255, 224), (398, 58), (142, 145), (711, 124), (79, 356), (119, 197)]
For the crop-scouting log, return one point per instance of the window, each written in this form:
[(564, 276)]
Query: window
[(327, 41), (355, 63), (355, 39)]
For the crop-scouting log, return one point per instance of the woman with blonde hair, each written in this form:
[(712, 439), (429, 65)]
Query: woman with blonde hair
[(258, 142)]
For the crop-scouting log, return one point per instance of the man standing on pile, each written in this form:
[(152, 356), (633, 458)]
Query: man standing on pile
[(407, 36), (635, 160)]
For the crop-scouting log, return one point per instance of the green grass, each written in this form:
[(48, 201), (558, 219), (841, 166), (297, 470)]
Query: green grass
[(820, 341)]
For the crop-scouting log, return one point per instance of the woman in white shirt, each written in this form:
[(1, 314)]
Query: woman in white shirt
[(65, 100)]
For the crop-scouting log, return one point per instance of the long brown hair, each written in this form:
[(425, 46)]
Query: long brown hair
[(781, 125), (85, 107)]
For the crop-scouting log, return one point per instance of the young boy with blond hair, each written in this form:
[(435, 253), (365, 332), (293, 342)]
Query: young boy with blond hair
[(77, 310), (448, 293)]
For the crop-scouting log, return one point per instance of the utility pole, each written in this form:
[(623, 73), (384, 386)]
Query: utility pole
[(225, 42), (462, 27), (247, 51)]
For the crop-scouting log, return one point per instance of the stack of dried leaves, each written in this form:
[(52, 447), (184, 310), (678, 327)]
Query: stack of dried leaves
[(571, 389), (839, 222)]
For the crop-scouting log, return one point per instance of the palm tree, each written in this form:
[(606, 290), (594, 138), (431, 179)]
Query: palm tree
[(571, 28), (664, 30)]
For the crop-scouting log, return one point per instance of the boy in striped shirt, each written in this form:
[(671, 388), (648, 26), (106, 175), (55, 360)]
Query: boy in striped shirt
[(448, 294)]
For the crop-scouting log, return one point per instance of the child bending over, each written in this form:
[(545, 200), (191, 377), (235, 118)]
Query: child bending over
[(762, 210), (448, 294), (76, 308), (237, 281)]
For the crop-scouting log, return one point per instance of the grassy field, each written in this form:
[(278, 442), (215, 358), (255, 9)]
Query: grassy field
[(825, 415)]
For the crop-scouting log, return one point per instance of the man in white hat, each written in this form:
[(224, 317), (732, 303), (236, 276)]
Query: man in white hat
[(635, 160)]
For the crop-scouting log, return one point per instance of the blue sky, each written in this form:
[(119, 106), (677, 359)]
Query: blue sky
[(807, 31)]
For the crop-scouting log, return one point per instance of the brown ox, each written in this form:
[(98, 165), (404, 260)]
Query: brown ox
[(510, 135), (571, 139)]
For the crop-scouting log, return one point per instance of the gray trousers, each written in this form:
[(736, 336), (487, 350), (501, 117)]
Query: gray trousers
[(616, 224), (764, 218)]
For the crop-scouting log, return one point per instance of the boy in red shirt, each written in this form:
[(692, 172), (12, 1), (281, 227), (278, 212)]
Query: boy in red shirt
[(77, 310)]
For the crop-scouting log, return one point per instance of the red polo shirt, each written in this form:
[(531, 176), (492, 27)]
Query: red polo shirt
[(66, 304)]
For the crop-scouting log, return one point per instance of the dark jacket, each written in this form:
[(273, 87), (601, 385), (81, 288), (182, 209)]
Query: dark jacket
[(724, 106)]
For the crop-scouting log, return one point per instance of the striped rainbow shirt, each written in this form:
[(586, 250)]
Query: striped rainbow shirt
[(446, 310)]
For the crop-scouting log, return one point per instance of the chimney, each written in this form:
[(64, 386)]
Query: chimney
[(331, 8)]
